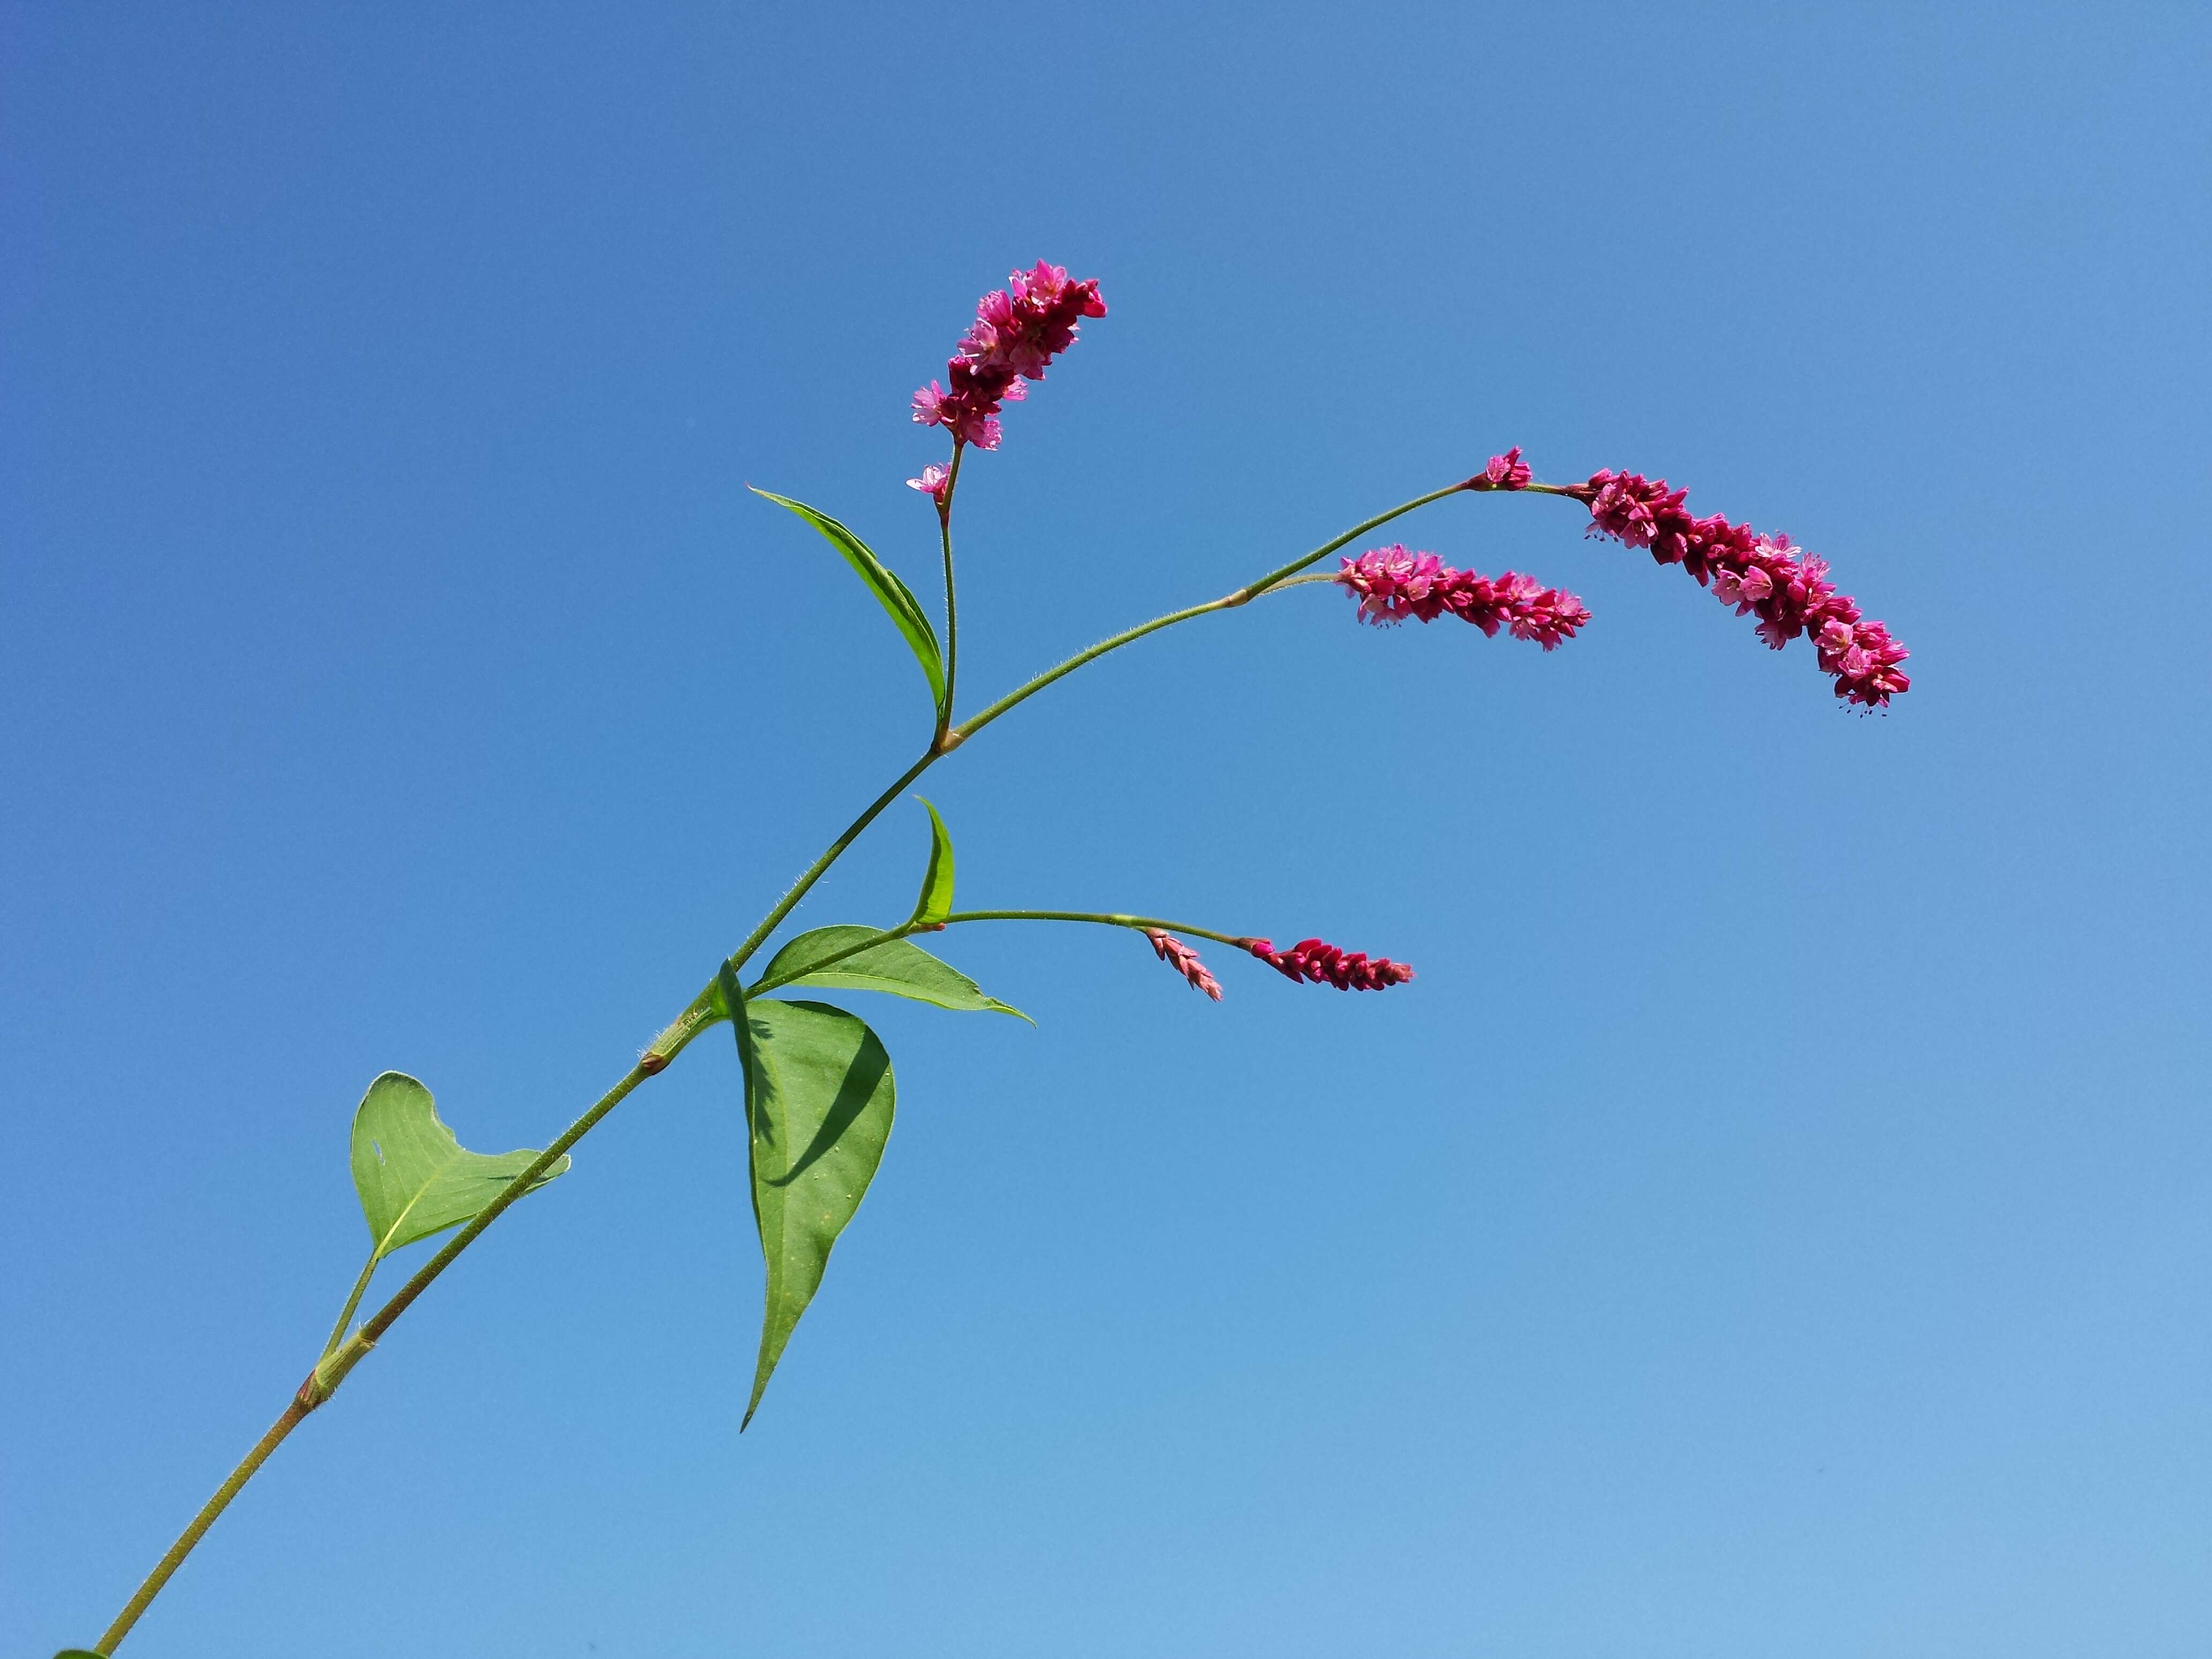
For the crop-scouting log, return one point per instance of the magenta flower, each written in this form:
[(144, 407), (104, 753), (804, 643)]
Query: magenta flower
[(1394, 584), (1184, 960), (935, 483), (1506, 471), (1319, 962), (1787, 587), (1017, 331)]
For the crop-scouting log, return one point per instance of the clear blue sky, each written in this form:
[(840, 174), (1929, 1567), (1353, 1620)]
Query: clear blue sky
[(1776, 1220)]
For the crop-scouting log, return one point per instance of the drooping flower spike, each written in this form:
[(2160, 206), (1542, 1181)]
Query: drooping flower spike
[(1184, 960), (1321, 963), (1393, 584), (1017, 331), (1787, 587)]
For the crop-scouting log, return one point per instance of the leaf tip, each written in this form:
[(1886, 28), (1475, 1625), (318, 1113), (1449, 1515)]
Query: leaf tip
[(760, 1387)]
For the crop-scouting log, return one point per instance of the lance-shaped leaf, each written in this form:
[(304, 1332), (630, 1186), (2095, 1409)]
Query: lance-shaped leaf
[(896, 599), (415, 1179), (935, 902), (896, 965), (818, 1102)]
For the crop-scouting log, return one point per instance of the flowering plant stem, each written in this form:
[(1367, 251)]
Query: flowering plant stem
[(819, 1095), (342, 1353), (952, 599)]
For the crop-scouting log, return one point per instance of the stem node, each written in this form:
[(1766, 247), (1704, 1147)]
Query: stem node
[(323, 1382)]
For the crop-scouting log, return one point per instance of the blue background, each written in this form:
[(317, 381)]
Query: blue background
[(1776, 1219)]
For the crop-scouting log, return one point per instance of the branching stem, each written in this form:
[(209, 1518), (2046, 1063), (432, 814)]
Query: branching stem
[(340, 1354), (1243, 596)]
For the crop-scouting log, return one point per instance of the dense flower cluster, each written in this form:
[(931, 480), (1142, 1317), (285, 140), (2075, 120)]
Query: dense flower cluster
[(1506, 471), (1394, 584), (1787, 587), (1184, 960), (1018, 331), (1312, 959)]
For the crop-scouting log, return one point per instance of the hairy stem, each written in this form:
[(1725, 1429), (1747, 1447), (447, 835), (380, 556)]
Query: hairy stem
[(951, 602), (341, 1354), (814, 871), (336, 1362), (1102, 918), (1244, 595), (373, 1327), (168, 1563)]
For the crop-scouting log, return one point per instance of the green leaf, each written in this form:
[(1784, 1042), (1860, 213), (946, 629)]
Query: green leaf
[(79, 1653), (414, 1177), (936, 901), (819, 1097), (896, 965), (896, 599)]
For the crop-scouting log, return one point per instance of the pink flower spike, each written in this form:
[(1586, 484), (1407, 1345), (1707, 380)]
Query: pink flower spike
[(934, 483), (1393, 584), (1184, 960), (1017, 331), (1506, 471), (1316, 961), (1786, 587)]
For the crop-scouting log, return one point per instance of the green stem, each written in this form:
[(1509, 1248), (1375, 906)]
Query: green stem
[(952, 738), (345, 1315), (374, 1327), (1244, 595), (191, 1535), (323, 1380), (951, 603), (1351, 535), (343, 1354), (1102, 918), (814, 871)]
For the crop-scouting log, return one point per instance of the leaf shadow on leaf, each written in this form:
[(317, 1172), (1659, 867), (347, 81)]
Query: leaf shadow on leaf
[(855, 1091)]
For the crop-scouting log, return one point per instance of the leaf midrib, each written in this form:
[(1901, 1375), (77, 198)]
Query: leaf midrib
[(400, 1220)]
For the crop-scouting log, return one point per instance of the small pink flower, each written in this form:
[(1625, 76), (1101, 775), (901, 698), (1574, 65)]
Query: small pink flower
[(1393, 584), (1635, 510), (1184, 960), (1545, 615), (934, 483), (1506, 471), (1318, 962)]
